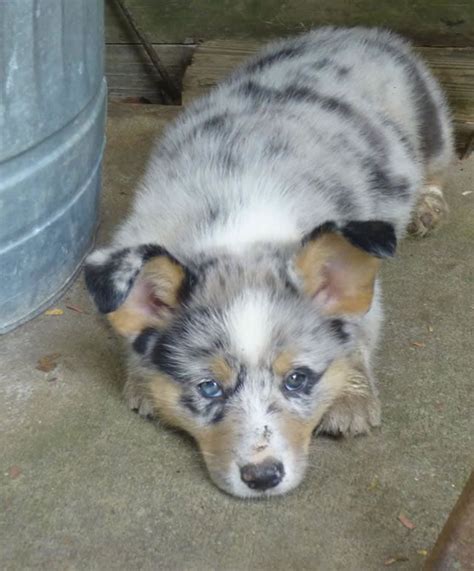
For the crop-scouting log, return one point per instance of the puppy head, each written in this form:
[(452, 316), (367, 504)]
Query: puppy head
[(246, 353)]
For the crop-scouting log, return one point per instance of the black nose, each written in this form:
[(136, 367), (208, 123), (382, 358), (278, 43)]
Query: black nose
[(262, 476)]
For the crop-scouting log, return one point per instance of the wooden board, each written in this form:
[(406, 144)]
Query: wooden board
[(428, 22), (130, 73), (454, 67)]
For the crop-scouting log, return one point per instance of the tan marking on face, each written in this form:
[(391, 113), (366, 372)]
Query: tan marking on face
[(166, 394), (222, 371), (336, 381), (283, 364), (217, 444), (339, 274), (297, 432)]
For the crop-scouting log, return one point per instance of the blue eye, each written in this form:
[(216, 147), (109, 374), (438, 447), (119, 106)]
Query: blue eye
[(210, 389), (296, 381)]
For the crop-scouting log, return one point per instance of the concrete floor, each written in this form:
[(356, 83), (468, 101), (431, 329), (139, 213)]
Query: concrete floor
[(86, 484)]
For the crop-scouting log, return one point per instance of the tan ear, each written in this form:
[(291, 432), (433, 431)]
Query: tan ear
[(339, 276), (154, 296)]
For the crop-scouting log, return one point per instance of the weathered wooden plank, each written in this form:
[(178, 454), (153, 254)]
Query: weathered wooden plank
[(131, 74), (454, 67), (464, 138), (213, 61), (428, 22)]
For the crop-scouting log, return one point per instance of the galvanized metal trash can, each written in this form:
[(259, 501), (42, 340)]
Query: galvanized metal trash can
[(52, 113)]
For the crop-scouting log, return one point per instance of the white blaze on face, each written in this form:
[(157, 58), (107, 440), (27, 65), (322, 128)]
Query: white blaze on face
[(249, 324), (258, 431)]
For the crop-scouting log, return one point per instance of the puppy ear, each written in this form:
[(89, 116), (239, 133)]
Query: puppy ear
[(337, 267), (373, 236), (136, 287)]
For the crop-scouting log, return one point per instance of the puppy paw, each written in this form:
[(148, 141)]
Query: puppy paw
[(137, 400), (430, 212), (351, 416), (356, 410)]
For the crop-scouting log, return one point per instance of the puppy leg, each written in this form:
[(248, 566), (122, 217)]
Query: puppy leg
[(356, 409), (136, 395), (430, 211)]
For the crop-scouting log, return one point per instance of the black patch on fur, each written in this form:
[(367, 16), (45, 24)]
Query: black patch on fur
[(302, 93), (100, 278), (215, 123), (313, 378), (255, 91), (161, 356), (382, 184), (200, 353), (202, 269), (143, 341), (218, 416), (285, 53), (295, 93), (325, 228), (213, 214), (290, 287), (373, 236), (226, 158), (188, 402), (214, 409), (344, 199), (321, 64), (189, 283), (337, 327), (345, 110), (403, 137), (299, 93), (240, 378), (430, 123), (277, 148), (231, 391), (342, 70), (273, 408)]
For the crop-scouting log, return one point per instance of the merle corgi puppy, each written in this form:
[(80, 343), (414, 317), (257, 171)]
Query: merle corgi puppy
[(245, 278)]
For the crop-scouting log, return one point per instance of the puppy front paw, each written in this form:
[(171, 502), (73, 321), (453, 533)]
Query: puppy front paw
[(430, 212), (356, 411), (351, 417), (138, 400)]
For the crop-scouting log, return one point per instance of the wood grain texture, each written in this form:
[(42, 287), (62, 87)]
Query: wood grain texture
[(130, 73), (454, 67), (428, 22)]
